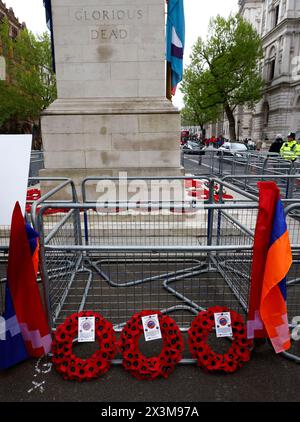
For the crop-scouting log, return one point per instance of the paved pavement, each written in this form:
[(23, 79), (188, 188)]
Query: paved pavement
[(266, 377)]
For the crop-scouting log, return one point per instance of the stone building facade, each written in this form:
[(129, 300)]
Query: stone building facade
[(14, 25), (278, 23), (11, 126)]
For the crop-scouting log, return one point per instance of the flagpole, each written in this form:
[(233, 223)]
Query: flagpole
[(169, 82)]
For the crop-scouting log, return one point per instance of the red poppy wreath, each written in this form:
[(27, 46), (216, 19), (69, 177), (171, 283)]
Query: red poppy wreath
[(70, 366), (238, 353), (142, 367)]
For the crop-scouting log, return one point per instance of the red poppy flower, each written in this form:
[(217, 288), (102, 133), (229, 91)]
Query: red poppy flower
[(230, 366), (205, 323), (217, 309), (213, 364)]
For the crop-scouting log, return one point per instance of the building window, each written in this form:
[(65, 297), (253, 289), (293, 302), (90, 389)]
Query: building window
[(276, 15), (14, 32), (271, 64), (266, 114), (272, 69)]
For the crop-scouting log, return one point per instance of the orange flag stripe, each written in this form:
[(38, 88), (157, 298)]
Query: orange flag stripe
[(273, 306), (278, 263)]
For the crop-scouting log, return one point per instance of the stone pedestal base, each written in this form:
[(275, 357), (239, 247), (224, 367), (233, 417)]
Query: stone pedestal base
[(77, 175), (102, 137)]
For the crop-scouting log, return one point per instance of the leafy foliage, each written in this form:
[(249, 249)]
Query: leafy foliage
[(225, 68), (195, 112), (30, 85)]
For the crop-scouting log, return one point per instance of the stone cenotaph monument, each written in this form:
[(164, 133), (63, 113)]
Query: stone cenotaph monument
[(111, 113)]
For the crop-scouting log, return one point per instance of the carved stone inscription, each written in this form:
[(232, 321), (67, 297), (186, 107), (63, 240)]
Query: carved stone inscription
[(109, 16), (105, 34), (114, 22)]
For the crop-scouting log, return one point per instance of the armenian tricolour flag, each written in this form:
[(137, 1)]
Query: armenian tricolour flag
[(273, 308), (271, 263), (175, 40)]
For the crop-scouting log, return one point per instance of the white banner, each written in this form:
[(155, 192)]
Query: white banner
[(14, 170)]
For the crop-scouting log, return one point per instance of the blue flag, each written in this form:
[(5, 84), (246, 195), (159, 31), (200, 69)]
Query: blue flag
[(12, 346), (175, 40), (49, 22)]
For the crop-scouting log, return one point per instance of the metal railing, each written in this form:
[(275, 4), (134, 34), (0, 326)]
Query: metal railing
[(289, 185), (119, 258), (220, 163), (124, 256), (36, 164)]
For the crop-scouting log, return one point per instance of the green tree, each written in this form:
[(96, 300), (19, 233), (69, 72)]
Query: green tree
[(30, 85), (196, 112), (227, 65)]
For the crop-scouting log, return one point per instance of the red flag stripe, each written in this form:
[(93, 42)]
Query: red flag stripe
[(268, 197), (24, 288)]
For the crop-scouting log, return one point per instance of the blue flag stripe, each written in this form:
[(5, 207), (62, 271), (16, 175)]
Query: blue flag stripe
[(175, 21), (278, 230), (279, 223), (12, 348)]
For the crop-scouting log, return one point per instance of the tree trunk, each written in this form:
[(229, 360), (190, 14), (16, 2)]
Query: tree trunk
[(203, 131), (37, 135), (231, 120)]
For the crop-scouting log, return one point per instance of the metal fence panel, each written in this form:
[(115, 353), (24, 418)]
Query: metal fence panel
[(123, 259)]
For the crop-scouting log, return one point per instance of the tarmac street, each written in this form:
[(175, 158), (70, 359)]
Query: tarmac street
[(266, 378)]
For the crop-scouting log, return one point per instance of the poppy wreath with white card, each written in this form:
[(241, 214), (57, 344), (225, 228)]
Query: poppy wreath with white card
[(142, 367), (239, 351), (74, 368)]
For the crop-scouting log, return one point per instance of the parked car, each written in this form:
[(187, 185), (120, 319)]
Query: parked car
[(233, 148), (192, 147)]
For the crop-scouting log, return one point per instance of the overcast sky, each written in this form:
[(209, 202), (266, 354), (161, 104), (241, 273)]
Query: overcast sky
[(197, 15)]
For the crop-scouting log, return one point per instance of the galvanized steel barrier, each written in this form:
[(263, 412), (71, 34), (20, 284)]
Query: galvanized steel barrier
[(289, 185), (124, 257), (218, 163), (120, 258), (36, 164)]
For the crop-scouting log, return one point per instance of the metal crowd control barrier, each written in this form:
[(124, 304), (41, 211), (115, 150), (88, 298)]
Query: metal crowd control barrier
[(36, 164), (177, 258), (63, 184), (127, 271), (289, 184), (219, 163)]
